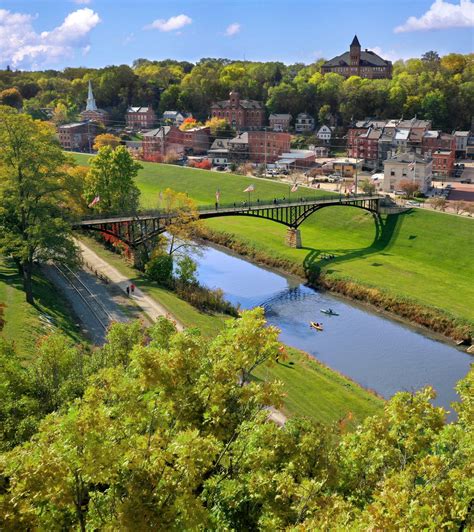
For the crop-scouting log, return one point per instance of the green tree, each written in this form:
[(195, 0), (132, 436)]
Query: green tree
[(33, 222), (112, 179), (11, 97), (186, 270)]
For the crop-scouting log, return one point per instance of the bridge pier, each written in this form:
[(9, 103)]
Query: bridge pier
[(293, 238)]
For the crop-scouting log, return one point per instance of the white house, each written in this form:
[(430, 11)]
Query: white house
[(324, 133), (461, 138), (407, 167), (173, 117), (304, 123)]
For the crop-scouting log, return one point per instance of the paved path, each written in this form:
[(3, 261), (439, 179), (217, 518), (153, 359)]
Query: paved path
[(152, 308)]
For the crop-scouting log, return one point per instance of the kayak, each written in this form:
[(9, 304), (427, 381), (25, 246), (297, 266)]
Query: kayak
[(314, 325), (329, 312)]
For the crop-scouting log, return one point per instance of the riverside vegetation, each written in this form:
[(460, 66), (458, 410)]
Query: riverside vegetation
[(417, 260)]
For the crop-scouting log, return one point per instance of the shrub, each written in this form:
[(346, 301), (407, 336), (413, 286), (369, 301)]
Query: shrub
[(160, 269)]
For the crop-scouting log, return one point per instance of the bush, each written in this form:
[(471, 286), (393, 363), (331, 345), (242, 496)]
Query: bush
[(205, 299), (160, 269)]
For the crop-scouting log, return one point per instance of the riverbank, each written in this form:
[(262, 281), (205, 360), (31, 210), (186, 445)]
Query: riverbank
[(312, 389)]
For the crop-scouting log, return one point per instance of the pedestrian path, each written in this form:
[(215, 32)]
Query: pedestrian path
[(152, 308)]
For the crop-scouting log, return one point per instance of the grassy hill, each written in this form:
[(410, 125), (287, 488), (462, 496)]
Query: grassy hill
[(423, 255)]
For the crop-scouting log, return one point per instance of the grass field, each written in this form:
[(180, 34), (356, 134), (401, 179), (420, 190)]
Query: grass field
[(25, 323), (423, 255), (311, 389)]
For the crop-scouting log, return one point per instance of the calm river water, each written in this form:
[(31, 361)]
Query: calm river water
[(377, 352)]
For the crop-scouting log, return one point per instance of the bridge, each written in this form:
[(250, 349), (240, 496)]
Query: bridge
[(134, 229)]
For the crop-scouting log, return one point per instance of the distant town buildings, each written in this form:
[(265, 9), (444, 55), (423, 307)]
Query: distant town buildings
[(304, 123), (78, 136), (461, 139), (174, 118), (140, 117), (280, 121), (358, 62), (92, 112), (161, 142), (267, 146), (242, 115), (324, 133), (407, 167)]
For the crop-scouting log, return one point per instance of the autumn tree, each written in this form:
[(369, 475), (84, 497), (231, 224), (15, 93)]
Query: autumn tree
[(33, 220), (11, 97), (111, 179), (438, 203), (367, 187), (106, 139), (189, 123), (220, 127), (409, 187)]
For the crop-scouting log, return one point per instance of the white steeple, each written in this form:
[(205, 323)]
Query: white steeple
[(91, 105)]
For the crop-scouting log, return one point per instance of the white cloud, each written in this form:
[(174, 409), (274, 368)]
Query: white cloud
[(21, 46), (390, 55), (232, 29), (83, 2), (172, 24), (441, 15)]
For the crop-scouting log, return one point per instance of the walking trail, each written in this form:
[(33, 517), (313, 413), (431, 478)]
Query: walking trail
[(148, 305)]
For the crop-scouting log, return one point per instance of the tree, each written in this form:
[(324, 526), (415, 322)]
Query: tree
[(457, 206), (11, 97), (409, 187), (324, 113), (220, 127), (368, 187), (186, 270), (438, 203), (160, 268), (189, 123), (112, 179), (106, 139), (33, 223)]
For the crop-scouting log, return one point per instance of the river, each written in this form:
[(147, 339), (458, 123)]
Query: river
[(375, 351)]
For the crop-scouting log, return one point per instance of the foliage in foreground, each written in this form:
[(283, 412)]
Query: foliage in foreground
[(171, 433)]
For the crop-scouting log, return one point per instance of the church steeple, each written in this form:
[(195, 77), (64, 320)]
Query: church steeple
[(91, 105)]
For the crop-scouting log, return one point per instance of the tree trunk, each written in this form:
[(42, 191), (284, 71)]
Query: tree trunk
[(27, 269)]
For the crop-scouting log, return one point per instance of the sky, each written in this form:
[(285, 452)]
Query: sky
[(39, 34)]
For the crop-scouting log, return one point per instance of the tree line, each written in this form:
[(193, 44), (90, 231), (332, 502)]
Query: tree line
[(437, 88)]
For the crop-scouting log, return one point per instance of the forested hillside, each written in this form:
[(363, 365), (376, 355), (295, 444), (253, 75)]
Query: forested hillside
[(433, 87)]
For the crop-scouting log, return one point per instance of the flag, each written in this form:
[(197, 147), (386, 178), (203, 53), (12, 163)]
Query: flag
[(218, 195), (94, 201), (294, 188), (411, 166), (250, 188)]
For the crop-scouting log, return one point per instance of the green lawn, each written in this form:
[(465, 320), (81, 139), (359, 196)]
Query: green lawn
[(423, 255), (25, 323)]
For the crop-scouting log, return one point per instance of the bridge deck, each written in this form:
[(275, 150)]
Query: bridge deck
[(244, 207)]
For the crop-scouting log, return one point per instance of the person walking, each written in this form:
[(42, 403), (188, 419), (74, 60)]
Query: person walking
[(132, 288), (128, 290)]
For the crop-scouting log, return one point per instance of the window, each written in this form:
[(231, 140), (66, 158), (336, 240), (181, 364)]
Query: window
[(392, 172)]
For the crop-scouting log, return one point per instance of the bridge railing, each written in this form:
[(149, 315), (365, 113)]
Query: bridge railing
[(236, 205)]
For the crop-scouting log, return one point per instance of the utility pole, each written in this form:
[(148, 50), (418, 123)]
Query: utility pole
[(265, 141)]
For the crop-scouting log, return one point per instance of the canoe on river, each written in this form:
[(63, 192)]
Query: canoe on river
[(329, 312), (316, 326)]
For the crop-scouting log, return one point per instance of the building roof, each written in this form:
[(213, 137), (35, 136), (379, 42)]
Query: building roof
[(246, 104), (158, 132), (367, 58), (432, 134), (220, 144), (73, 125), (414, 123), (298, 154), (171, 114), (441, 152), (355, 41), (243, 138), (138, 109), (406, 158), (280, 116), (462, 133), (402, 134), (302, 116)]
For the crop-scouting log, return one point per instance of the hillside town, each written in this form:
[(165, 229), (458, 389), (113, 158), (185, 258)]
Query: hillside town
[(240, 132)]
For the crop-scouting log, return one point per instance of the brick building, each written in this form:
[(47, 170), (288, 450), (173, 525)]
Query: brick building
[(243, 115), (162, 141), (140, 117), (267, 145), (78, 136), (442, 148), (358, 62), (279, 121), (196, 140)]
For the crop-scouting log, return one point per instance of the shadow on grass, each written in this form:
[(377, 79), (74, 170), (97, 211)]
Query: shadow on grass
[(387, 229)]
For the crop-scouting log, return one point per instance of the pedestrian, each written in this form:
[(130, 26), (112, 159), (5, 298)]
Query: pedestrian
[(128, 290), (217, 205), (132, 288)]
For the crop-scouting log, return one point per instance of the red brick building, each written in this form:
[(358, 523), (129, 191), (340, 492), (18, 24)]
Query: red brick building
[(356, 62), (442, 148), (78, 136), (267, 145), (162, 141), (243, 115), (196, 140), (140, 117)]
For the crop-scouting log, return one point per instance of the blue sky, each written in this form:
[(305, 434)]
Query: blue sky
[(59, 33)]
